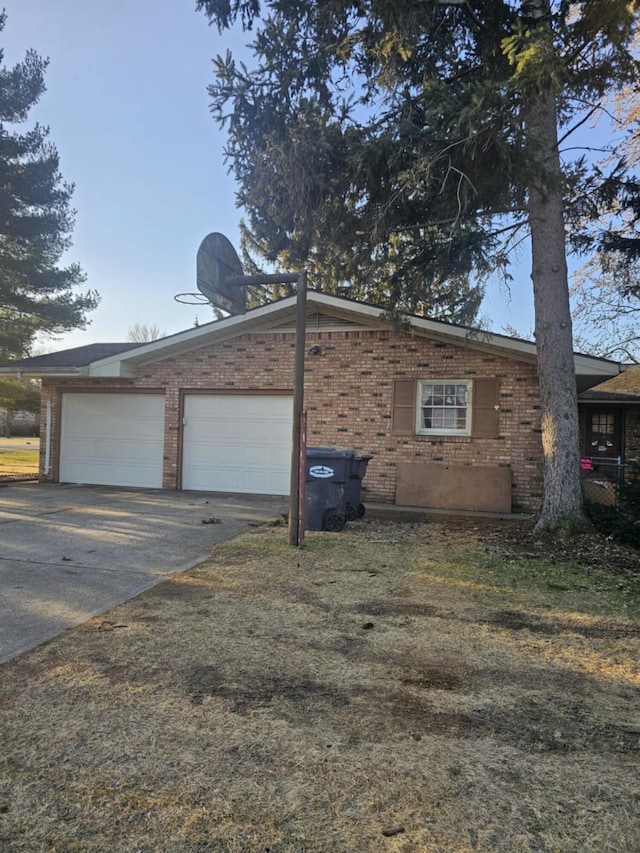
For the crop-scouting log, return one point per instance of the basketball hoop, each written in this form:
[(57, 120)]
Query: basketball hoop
[(192, 299), (221, 281)]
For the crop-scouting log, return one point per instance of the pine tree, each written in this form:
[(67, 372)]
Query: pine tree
[(36, 294), (432, 127)]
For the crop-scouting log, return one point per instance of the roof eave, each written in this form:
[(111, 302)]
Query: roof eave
[(590, 370), (126, 363), (44, 372)]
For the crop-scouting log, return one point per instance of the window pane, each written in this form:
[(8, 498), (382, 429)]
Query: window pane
[(427, 394), (444, 407), (602, 430)]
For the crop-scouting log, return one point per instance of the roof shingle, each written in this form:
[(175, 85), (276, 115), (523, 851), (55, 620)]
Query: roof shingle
[(624, 386), (69, 358)]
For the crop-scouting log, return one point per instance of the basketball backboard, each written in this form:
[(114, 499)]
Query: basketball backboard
[(216, 261)]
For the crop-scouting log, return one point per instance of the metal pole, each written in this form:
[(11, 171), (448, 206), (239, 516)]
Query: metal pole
[(260, 280), (302, 477), (298, 405)]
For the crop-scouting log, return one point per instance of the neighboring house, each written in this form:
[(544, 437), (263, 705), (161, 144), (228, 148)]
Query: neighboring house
[(20, 423), (610, 426), (450, 414)]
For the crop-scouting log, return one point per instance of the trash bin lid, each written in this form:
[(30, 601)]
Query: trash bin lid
[(333, 452)]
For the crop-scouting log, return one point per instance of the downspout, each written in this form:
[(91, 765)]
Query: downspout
[(47, 438)]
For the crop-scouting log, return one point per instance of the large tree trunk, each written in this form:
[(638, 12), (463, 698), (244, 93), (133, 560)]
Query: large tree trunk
[(562, 506)]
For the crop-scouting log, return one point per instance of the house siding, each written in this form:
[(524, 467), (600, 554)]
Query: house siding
[(348, 396)]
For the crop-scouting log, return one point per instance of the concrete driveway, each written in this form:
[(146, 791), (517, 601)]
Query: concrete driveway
[(70, 552)]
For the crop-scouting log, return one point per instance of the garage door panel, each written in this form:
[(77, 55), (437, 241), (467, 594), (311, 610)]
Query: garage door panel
[(112, 439), (272, 456), (237, 443), (255, 431), (113, 451), (233, 431), (280, 484), (100, 473), (237, 455), (128, 452)]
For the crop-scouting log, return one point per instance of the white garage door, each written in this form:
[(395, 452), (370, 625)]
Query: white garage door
[(112, 439), (237, 443)]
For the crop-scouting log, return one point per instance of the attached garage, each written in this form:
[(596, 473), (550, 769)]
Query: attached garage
[(237, 443), (112, 439)]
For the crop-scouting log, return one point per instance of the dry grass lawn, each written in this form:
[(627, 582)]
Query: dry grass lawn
[(415, 687), (19, 456)]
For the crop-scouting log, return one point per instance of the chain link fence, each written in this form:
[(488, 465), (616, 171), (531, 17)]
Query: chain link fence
[(601, 479)]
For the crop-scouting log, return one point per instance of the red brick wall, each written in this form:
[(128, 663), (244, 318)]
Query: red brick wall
[(351, 404), (348, 394)]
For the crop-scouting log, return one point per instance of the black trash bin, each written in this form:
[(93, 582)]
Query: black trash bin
[(357, 470), (328, 470)]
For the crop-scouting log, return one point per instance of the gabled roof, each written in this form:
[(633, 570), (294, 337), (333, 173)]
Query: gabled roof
[(623, 388), (324, 312)]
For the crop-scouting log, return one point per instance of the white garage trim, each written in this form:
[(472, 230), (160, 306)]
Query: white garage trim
[(112, 439), (237, 443)]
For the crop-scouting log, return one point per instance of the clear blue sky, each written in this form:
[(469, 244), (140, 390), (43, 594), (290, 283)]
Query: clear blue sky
[(128, 110)]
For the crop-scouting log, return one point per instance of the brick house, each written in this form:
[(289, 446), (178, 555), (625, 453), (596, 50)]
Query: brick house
[(450, 414)]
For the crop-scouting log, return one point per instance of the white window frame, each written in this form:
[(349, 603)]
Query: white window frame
[(421, 429)]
